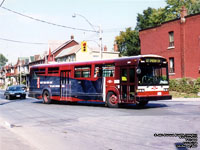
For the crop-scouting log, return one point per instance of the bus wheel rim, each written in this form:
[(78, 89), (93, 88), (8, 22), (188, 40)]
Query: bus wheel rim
[(46, 97), (113, 99)]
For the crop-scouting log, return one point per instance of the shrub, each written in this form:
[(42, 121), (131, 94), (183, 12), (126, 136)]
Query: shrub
[(185, 85)]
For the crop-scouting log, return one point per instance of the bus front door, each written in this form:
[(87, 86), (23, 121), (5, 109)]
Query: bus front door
[(127, 84), (65, 85)]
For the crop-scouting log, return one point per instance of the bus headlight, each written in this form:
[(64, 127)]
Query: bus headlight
[(166, 89)]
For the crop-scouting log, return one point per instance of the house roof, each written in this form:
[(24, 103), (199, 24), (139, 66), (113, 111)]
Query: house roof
[(68, 51), (74, 49), (23, 60), (61, 46)]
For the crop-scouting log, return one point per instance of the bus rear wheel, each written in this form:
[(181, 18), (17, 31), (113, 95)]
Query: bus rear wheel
[(46, 97), (112, 100)]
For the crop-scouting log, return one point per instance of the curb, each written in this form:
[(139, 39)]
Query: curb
[(186, 99)]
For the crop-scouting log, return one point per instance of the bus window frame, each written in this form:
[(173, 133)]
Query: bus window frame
[(81, 68), (53, 73), (35, 73), (101, 70)]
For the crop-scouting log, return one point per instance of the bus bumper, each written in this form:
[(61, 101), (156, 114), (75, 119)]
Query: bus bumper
[(153, 98)]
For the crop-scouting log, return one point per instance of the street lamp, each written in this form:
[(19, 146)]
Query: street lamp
[(93, 27)]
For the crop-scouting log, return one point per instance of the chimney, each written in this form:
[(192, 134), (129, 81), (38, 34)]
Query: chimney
[(72, 37), (105, 48), (183, 14), (115, 47)]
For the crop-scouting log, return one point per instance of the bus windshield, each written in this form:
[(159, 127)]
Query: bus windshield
[(153, 75)]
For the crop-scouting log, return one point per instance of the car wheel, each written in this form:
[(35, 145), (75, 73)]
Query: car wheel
[(112, 100), (9, 97), (23, 97), (46, 97)]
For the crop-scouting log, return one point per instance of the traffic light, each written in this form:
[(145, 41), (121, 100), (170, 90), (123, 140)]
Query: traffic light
[(84, 46)]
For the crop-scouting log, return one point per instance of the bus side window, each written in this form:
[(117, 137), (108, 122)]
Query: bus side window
[(82, 72), (34, 75), (54, 70), (37, 72), (109, 70), (98, 72)]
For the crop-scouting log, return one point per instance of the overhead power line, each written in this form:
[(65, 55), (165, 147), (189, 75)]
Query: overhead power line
[(2, 3), (16, 41), (47, 22)]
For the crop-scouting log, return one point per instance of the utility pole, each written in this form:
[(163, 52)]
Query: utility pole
[(100, 42), (93, 27), (20, 78)]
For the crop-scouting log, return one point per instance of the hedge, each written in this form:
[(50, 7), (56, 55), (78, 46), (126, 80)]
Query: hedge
[(185, 85)]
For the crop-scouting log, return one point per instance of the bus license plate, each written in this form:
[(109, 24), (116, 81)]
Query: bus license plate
[(159, 93)]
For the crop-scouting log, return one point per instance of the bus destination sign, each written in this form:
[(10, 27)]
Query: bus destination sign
[(152, 60)]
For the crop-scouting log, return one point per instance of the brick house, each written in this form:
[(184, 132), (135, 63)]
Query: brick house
[(177, 40), (42, 59)]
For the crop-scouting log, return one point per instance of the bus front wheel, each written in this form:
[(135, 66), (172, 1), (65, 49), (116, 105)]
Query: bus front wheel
[(46, 97), (112, 100)]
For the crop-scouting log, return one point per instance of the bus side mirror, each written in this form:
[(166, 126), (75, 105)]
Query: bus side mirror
[(138, 71)]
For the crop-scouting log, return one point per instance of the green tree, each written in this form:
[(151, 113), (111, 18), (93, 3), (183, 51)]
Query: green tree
[(151, 17), (3, 60), (194, 7), (128, 42), (173, 8)]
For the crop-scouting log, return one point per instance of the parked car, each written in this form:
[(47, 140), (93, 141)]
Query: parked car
[(23, 87), (15, 91)]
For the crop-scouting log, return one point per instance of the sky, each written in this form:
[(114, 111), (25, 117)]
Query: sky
[(112, 15)]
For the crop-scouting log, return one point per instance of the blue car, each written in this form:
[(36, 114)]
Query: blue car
[(15, 91)]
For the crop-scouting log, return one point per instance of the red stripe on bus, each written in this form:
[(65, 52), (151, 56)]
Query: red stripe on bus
[(153, 93)]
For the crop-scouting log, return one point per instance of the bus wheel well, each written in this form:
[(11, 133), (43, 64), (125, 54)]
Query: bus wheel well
[(46, 97), (142, 103), (111, 99)]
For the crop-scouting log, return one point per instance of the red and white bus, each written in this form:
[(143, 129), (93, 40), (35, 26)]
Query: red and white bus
[(130, 80)]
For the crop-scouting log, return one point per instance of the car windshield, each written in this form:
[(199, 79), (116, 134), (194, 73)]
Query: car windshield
[(15, 88), (153, 75)]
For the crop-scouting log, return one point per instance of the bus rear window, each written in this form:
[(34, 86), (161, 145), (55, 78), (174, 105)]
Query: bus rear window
[(82, 72)]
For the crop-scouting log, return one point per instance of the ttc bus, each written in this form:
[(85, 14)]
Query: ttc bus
[(130, 80)]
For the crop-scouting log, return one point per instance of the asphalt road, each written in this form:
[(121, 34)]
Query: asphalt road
[(31, 125)]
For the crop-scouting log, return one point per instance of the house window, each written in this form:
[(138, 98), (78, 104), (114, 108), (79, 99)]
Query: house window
[(171, 39), (171, 65), (72, 58)]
